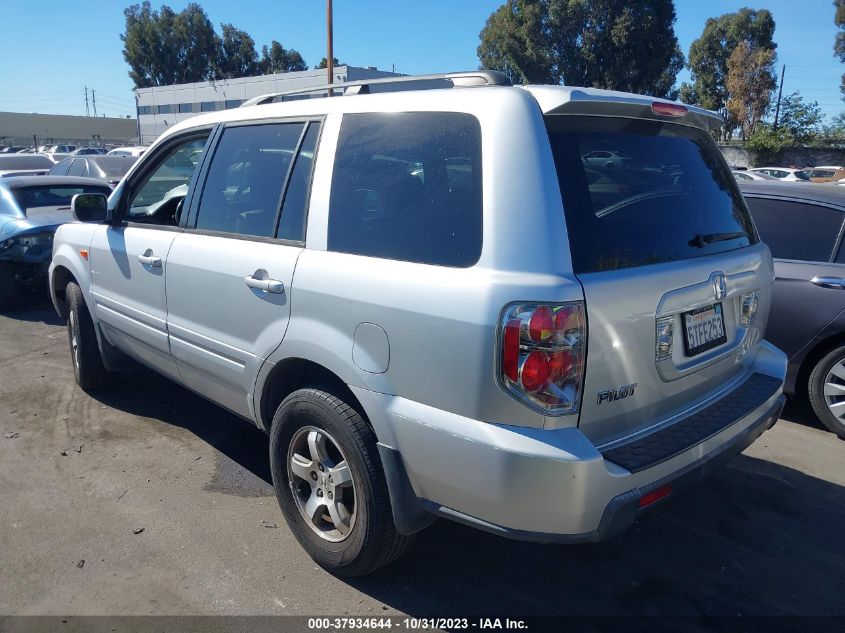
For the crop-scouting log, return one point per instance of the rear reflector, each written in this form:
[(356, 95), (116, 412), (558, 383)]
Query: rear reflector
[(668, 109), (655, 495)]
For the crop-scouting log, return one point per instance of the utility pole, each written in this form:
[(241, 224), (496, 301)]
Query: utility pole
[(94, 100), (87, 112), (329, 45), (780, 91)]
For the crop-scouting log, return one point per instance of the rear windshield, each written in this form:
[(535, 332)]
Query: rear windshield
[(112, 169), (52, 195), (639, 192)]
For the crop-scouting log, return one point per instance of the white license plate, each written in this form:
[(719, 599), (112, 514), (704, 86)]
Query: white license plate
[(704, 329)]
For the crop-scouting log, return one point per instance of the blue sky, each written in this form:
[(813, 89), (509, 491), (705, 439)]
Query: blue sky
[(43, 71)]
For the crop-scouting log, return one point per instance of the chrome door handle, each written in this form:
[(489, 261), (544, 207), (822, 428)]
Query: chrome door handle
[(148, 259), (267, 285), (836, 283)]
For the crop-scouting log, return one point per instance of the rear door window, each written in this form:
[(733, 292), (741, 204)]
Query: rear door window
[(672, 198), (245, 183), (796, 230), (407, 186)]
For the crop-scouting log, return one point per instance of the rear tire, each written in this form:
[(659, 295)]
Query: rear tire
[(8, 286), (88, 368), (314, 435), (826, 390)]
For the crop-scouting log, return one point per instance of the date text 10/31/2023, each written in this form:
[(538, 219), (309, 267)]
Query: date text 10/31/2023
[(415, 624)]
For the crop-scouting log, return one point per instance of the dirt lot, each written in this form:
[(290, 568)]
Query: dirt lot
[(79, 475)]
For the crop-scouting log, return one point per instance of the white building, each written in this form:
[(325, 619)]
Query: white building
[(160, 107)]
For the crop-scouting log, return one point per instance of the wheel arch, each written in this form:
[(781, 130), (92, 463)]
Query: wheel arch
[(819, 350), (59, 279), (291, 374)]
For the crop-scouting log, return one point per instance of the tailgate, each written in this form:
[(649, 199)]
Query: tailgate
[(664, 247)]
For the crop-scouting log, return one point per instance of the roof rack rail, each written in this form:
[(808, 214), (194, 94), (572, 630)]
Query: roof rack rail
[(461, 79)]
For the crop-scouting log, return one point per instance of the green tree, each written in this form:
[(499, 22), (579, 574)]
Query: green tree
[(749, 82), (324, 63), (277, 59), (801, 119), (612, 44), (839, 45), (709, 54), (238, 57), (163, 47), (799, 123)]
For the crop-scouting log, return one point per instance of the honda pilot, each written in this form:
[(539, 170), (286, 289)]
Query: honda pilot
[(437, 304)]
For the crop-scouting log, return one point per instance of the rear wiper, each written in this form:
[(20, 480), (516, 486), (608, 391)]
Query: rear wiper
[(703, 239)]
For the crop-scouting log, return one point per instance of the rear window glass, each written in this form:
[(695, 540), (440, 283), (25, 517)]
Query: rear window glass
[(407, 186), (117, 168), (663, 193), (53, 195)]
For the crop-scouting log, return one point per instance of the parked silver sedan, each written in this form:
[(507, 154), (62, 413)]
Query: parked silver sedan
[(108, 168)]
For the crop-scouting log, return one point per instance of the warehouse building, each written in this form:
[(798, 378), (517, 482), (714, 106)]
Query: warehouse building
[(162, 106), (20, 128)]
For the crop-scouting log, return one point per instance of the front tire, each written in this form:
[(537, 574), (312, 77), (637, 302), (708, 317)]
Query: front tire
[(88, 369), (826, 390), (331, 485), (8, 286)]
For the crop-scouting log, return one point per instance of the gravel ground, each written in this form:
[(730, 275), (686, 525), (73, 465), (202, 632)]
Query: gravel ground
[(146, 499)]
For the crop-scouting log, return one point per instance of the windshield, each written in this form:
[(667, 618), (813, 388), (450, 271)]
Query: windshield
[(52, 195), (639, 192)]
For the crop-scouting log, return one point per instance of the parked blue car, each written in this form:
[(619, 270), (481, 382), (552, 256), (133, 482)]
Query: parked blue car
[(31, 209)]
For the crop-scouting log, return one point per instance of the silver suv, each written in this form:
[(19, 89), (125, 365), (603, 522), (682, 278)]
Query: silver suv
[(437, 307)]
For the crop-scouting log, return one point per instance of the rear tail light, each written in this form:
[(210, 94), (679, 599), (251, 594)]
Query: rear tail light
[(668, 109), (542, 355)]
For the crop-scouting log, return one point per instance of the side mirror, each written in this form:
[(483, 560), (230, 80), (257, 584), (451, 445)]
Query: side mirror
[(90, 207)]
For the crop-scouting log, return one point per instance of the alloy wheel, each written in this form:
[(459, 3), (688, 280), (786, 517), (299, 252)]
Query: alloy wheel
[(321, 483)]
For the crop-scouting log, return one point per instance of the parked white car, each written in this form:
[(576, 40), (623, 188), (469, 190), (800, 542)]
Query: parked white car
[(127, 151), (746, 175), (782, 173)]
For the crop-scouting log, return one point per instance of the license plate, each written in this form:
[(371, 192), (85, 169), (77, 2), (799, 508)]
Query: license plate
[(704, 329)]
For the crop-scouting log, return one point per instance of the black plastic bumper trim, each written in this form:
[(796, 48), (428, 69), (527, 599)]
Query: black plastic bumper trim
[(672, 440)]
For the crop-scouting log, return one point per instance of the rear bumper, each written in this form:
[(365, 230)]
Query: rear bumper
[(547, 485)]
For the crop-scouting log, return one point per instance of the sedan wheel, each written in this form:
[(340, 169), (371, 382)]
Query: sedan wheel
[(826, 390)]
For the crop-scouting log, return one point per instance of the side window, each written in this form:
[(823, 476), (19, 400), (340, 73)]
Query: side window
[(77, 168), (292, 222), (407, 186), (796, 230), (157, 199), (243, 189)]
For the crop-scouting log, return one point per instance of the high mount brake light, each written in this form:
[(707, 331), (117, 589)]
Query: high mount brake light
[(668, 109), (542, 355)]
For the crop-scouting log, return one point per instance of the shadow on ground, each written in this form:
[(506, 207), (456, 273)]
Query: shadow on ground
[(243, 469), (799, 411), (33, 305), (756, 538)]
